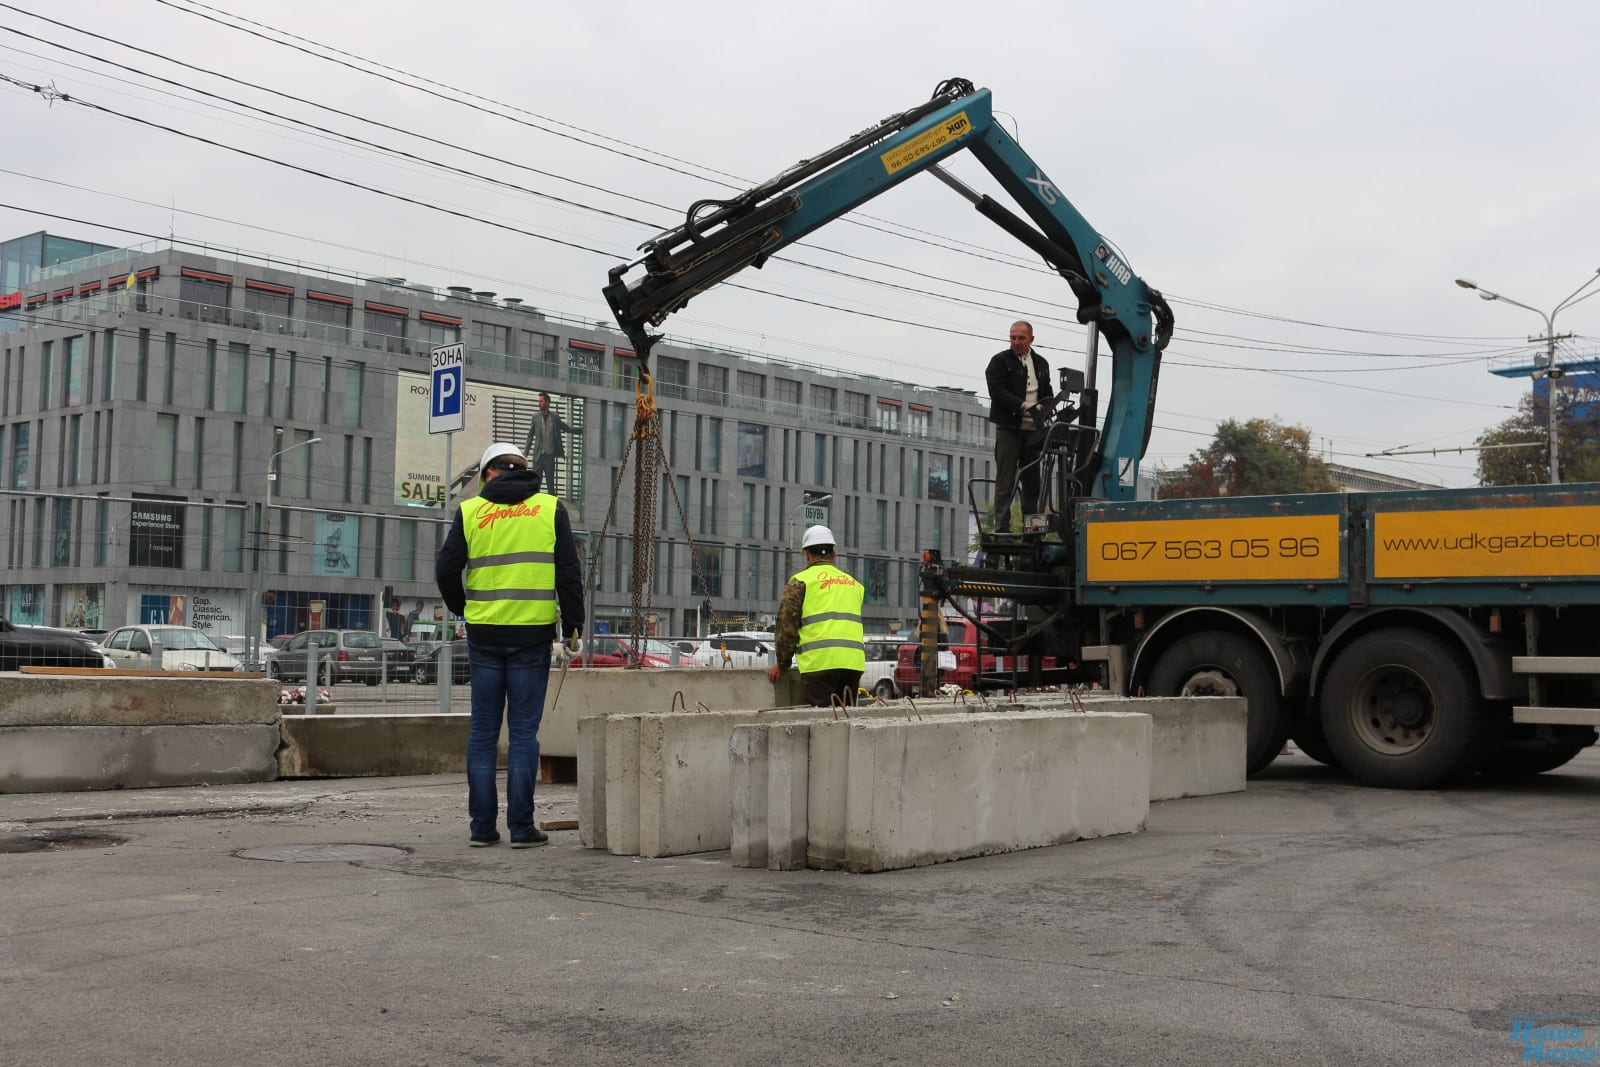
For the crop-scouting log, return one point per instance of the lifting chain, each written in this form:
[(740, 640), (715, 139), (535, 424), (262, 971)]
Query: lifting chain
[(652, 456)]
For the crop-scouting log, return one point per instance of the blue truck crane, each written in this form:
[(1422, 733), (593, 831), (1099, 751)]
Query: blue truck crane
[(1414, 638)]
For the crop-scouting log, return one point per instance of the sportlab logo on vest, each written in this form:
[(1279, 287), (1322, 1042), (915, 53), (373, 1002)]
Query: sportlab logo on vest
[(491, 516), (842, 579)]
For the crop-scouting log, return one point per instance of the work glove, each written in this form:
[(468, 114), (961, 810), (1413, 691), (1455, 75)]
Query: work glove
[(559, 654), (574, 643)]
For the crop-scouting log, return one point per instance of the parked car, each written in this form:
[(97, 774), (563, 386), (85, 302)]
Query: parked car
[(183, 648), (43, 646), (280, 640), (883, 654), (425, 671), (958, 657), (342, 656), (399, 660), (745, 648), (610, 650)]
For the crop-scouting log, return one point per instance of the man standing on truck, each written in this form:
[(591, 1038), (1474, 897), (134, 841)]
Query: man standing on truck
[(1019, 398), (819, 625), (510, 565)]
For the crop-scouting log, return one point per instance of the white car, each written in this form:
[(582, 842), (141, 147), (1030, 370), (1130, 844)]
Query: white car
[(745, 648), (878, 678), (182, 649)]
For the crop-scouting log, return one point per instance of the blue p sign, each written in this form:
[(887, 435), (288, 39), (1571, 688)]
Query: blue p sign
[(447, 389)]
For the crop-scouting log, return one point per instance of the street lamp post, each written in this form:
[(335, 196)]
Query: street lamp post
[(1549, 370), (257, 588)]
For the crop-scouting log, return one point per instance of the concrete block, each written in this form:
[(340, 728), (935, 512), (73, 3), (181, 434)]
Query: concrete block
[(747, 795), (353, 746), (36, 759), (1197, 745), (788, 792), (683, 793), (827, 779), (952, 787), (86, 700), (592, 782), (590, 691), (622, 785)]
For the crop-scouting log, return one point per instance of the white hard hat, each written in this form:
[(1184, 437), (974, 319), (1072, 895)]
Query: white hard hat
[(817, 535), (497, 450)]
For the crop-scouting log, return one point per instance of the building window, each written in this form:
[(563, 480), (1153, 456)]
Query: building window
[(300, 459), (949, 423), (880, 513), (169, 366), (713, 384), (752, 454), (141, 371), (166, 450), (238, 457), (584, 359), (46, 352), (326, 387), (540, 348), (349, 467), (290, 362), (713, 445), (938, 476), (384, 327), (366, 470), (328, 316), (238, 376), (917, 421), (672, 377), (434, 330), (72, 371), (916, 472), (233, 540), (354, 386), (624, 369), (490, 337), (752, 386), (61, 527), (855, 409), (786, 391), (888, 416), (199, 452), (204, 296), (747, 511), (268, 307), (405, 563), (823, 400)]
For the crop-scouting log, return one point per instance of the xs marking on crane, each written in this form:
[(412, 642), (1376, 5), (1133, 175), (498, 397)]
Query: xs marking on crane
[(1044, 187)]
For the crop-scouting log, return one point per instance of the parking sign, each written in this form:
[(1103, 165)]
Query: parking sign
[(447, 389)]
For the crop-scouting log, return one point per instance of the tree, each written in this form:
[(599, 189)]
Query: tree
[(1250, 459), (1578, 424)]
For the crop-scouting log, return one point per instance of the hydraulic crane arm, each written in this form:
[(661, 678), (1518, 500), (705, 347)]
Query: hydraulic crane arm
[(719, 238)]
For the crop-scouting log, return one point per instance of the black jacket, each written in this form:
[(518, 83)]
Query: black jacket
[(513, 487), (1008, 381)]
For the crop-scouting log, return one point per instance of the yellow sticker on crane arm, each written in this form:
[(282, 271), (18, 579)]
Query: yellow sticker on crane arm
[(1486, 543), (1267, 548), (902, 156)]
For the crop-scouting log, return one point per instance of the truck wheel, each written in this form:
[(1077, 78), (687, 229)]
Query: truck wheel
[(1525, 759), (1401, 709), (1217, 664), (884, 689), (1306, 733)]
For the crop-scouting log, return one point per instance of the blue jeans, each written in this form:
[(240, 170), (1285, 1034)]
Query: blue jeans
[(509, 679)]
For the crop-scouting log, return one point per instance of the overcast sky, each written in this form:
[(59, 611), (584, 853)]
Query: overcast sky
[(1302, 180)]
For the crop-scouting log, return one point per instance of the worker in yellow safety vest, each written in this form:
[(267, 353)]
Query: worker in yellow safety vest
[(509, 565), (819, 625)]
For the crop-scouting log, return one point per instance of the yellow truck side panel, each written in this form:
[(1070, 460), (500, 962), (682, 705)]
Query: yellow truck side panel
[(1267, 548), (1501, 543)]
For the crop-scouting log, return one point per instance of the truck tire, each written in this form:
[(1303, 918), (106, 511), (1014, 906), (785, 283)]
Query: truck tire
[(1306, 733), (1220, 664), (1514, 760), (884, 689), (1401, 709)]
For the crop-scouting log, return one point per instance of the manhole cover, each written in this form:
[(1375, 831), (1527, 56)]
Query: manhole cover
[(323, 853), (57, 841)]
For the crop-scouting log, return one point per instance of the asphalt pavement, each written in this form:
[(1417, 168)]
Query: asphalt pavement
[(1305, 921)]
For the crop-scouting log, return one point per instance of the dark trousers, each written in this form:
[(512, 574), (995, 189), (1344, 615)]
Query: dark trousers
[(546, 466), (819, 687), (1015, 450)]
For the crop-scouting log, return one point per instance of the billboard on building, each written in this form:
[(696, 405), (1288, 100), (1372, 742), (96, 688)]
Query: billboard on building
[(25, 604), (81, 607), (155, 534), (335, 551), (492, 413)]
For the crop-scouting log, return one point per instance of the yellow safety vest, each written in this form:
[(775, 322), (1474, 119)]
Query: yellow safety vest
[(831, 637), (511, 561)]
